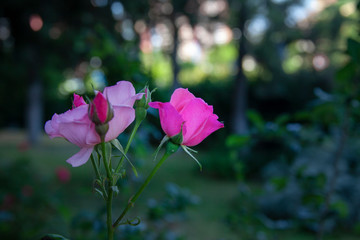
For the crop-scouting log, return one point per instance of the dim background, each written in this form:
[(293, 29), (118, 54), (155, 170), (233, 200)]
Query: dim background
[(283, 76)]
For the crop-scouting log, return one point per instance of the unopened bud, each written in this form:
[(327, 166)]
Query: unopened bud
[(142, 104), (144, 101), (140, 114), (101, 112)]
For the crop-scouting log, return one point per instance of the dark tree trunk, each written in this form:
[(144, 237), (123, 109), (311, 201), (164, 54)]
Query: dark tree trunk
[(34, 107), (174, 62), (34, 112), (239, 121)]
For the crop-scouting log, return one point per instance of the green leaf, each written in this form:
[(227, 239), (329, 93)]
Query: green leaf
[(256, 119), (347, 72), (87, 99), (279, 182), (282, 119), (97, 150), (187, 150), (234, 140), (163, 141), (341, 207), (100, 192), (98, 182), (54, 237), (353, 49), (133, 168), (118, 145), (108, 150)]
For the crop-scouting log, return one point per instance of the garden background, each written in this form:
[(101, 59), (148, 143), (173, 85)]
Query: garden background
[(283, 76)]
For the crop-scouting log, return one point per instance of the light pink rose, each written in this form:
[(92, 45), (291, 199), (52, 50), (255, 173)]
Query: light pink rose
[(75, 125), (194, 115)]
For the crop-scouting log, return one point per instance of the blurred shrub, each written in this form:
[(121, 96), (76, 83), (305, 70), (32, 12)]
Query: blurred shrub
[(307, 162), (175, 203), (24, 208), (162, 216)]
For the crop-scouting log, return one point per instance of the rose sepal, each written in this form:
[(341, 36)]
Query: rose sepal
[(188, 151)]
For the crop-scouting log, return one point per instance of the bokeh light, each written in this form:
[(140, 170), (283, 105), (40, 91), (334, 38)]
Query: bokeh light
[(35, 22), (320, 62), (117, 10)]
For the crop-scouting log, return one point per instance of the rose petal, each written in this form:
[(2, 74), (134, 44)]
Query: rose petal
[(123, 117), (75, 126), (81, 157), (92, 137), (210, 126), (78, 101), (123, 93), (74, 115), (195, 114), (134, 98), (52, 127), (170, 119), (180, 98), (100, 105)]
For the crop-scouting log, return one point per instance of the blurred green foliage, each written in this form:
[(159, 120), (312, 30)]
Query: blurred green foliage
[(306, 161), (298, 165)]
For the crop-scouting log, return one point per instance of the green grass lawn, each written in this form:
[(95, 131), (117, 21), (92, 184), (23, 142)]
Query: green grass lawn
[(204, 221)]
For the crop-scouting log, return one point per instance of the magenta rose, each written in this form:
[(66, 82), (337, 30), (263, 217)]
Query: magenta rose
[(193, 115), (76, 126)]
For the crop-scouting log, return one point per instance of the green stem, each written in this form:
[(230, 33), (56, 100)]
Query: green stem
[(109, 195), (108, 214), (135, 197), (106, 164), (137, 124)]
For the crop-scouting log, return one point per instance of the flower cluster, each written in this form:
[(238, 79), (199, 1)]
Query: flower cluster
[(79, 124), (186, 121), (111, 112)]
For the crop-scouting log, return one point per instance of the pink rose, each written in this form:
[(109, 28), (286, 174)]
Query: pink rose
[(76, 126), (194, 115)]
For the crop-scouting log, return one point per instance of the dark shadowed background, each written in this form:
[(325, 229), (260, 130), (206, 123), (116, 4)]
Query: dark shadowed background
[(283, 76)]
